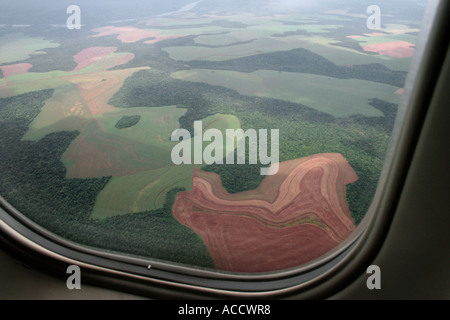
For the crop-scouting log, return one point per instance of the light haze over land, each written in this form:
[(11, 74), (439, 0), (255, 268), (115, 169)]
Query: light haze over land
[(86, 118)]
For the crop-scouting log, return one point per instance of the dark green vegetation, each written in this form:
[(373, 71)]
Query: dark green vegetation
[(302, 60), (215, 23), (156, 89), (33, 177), (33, 181), (128, 122), (303, 131), (238, 178)]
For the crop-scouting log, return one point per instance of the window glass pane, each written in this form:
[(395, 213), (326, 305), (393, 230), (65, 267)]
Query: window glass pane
[(240, 136)]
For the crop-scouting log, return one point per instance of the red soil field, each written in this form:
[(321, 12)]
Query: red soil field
[(125, 34), (374, 34), (14, 70), (397, 49), (292, 218), (88, 56), (355, 37), (95, 152), (131, 34)]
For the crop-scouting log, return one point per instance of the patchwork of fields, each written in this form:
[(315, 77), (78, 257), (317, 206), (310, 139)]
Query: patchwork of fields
[(351, 96), (292, 218), (333, 96)]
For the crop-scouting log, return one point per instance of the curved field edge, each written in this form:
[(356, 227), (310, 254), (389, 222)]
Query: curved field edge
[(146, 189), (34, 182), (290, 219)]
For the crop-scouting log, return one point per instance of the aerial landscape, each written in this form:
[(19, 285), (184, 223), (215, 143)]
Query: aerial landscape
[(88, 114)]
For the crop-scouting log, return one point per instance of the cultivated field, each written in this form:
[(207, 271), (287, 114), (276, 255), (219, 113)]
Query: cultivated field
[(93, 112), (146, 189), (350, 96), (292, 218), (17, 47)]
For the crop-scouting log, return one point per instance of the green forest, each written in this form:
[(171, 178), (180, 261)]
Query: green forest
[(34, 182), (128, 122), (303, 131)]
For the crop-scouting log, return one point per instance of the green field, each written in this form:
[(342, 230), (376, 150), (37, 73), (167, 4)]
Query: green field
[(86, 154), (337, 97), (154, 128), (146, 190), (34, 81), (58, 114), (17, 47), (128, 121), (260, 30), (28, 82), (224, 39), (386, 38), (271, 35), (105, 63)]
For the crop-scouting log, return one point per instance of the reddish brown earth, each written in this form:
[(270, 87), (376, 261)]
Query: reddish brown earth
[(132, 34), (14, 70), (95, 154), (397, 49), (292, 218), (159, 37), (90, 55)]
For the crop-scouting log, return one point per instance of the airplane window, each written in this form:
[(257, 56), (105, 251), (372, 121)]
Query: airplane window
[(224, 138)]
